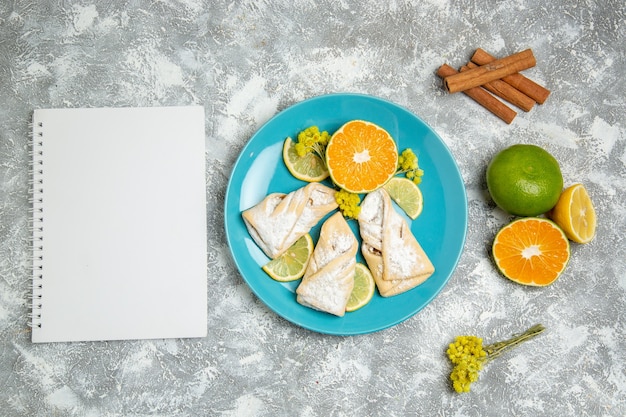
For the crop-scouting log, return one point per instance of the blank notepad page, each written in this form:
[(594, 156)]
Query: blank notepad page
[(119, 224)]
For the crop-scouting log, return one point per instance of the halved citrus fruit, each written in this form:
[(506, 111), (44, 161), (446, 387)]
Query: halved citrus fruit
[(291, 265), (406, 194), (310, 167), (363, 289), (531, 251), (361, 156), (575, 214)]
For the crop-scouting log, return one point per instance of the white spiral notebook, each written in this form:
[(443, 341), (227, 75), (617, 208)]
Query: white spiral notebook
[(119, 224)]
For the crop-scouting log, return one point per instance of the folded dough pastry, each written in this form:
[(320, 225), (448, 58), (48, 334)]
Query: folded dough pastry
[(329, 276), (280, 219), (394, 256)]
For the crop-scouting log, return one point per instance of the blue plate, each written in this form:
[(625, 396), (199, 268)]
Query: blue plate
[(440, 229)]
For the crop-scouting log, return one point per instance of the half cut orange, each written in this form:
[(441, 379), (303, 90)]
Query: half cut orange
[(531, 251), (361, 156)]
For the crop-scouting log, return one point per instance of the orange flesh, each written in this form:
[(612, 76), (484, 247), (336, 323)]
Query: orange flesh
[(531, 252), (361, 157)]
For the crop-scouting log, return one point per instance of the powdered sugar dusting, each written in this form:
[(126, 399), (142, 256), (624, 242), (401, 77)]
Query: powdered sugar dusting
[(329, 276), (403, 258), (279, 220), (385, 231)]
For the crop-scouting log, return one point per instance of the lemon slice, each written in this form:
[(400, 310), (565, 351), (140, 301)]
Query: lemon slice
[(310, 167), (363, 290), (291, 265), (575, 214), (406, 194)]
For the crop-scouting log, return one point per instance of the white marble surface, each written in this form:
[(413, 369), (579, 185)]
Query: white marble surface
[(245, 61)]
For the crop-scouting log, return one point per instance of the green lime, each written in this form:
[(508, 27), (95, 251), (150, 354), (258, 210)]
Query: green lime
[(406, 194), (364, 288), (524, 180), (291, 265), (310, 167)]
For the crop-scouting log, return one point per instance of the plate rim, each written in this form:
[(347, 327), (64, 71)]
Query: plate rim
[(309, 101)]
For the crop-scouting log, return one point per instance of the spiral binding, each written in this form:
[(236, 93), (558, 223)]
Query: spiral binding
[(36, 196)]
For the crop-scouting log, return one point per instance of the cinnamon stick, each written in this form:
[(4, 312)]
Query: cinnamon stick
[(489, 72), (482, 97), (518, 81), (507, 92)]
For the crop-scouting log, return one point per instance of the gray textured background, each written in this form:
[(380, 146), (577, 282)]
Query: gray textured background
[(245, 61)]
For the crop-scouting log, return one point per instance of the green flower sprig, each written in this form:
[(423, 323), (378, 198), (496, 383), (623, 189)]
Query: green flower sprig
[(408, 165), (312, 140), (469, 356), (348, 203)]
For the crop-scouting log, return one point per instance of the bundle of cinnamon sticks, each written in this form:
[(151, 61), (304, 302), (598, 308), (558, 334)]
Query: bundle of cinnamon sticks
[(485, 77)]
